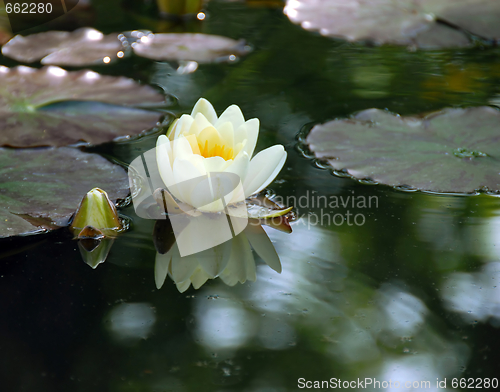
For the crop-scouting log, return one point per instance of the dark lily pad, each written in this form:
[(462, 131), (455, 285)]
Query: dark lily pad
[(27, 120), (451, 151), (403, 22), (81, 47), (41, 188), (202, 48)]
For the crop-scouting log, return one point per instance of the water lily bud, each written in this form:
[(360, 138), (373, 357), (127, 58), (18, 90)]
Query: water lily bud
[(96, 214)]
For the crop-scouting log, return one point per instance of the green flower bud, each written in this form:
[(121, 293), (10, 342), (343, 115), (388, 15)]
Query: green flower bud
[(96, 214)]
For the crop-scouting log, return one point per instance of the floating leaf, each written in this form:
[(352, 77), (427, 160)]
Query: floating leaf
[(403, 22), (454, 150), (202, 48), (40, 189), (265, 211), (81, 47), (27, 120)]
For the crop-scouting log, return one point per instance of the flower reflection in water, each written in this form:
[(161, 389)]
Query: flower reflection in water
[(231, 261), (475, 295)]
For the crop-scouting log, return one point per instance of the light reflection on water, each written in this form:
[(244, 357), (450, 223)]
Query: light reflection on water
[(385, 331), (475, 296)]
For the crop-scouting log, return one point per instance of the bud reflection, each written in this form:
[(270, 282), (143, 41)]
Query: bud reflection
[(95, 251)]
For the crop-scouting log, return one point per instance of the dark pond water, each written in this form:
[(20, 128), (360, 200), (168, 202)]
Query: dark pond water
[(409, 293)]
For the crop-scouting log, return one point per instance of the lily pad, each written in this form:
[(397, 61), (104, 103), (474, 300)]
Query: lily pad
[(202, 48), (41, 188), (451, 151), (400, 22), (81, 47), (26, 119)]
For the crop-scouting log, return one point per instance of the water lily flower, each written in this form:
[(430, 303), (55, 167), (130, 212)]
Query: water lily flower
[(202, 143)]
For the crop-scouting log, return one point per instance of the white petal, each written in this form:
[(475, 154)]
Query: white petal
[(183, 286), (263, 246), (162, 139), (183, 126), (203, 198), (204, 107), (240, 134), (233, 115), (239, 267), (164, 150), (202, 121), (183, 171), (252, 130), (163, 159), (181, 148), (199, 278), (183, 267), (198, 162), (215, 164), (226, 133), (239, 166), (162, 263), (214, 260), (264, 168)]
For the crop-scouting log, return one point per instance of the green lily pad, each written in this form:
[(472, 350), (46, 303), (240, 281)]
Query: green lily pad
[(40, 189), (85, 46), (28, 119), (403, 22), (202, 48), (451, 151)]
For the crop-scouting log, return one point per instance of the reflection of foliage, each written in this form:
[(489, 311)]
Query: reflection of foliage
[(180, 7), (459, 82), (5, 32)]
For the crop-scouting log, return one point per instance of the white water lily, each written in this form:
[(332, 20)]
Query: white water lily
[(202, 143)]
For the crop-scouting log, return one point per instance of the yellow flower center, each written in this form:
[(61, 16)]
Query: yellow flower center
[(214, 150), (209, 143)]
